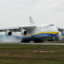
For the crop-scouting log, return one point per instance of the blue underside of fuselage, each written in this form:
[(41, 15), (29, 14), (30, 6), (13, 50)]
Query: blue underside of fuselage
[(40, 36)]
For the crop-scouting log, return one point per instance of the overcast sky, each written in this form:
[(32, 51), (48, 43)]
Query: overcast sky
[(17, 12)]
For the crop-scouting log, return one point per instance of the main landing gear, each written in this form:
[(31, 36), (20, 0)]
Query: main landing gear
[(38, 40), (28, 40)]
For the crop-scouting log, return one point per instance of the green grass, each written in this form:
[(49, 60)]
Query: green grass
[(31, 54)]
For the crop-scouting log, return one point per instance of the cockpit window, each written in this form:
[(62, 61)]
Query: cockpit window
[(51, 25)]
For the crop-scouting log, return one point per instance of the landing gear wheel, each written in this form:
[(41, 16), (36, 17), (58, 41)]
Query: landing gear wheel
[(50, 39), (25, 41), (38, 41)]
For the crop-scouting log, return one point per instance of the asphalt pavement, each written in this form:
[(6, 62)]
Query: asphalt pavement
[(44, 43), (32, 43)]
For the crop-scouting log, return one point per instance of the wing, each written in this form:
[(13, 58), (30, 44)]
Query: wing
[(11, 29), (17, 29), (61, 30)]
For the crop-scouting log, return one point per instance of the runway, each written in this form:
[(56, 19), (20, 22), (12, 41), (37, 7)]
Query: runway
[(44, 43), (32, 43)]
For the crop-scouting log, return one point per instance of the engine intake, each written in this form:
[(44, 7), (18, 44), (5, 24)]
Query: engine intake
[(8, 33), (24, 32)]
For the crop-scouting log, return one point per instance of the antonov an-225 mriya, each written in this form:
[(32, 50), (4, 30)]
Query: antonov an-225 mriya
[(33, 32)]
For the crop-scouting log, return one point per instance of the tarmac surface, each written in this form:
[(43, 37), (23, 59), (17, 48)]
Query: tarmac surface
[(44, 43), (32, 43)]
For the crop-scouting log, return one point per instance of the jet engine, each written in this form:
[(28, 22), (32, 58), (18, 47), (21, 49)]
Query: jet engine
[(8, 33), (24, 32)]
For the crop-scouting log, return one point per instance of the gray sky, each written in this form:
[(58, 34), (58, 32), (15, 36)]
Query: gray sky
[(17, 12)]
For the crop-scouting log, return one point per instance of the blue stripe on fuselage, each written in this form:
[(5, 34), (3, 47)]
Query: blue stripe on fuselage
[(45, 35)]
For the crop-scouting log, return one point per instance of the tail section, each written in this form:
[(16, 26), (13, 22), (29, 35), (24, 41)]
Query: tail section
[(31, 21)]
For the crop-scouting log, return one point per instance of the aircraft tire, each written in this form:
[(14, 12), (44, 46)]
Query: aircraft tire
[(38, 41), (25, 41)]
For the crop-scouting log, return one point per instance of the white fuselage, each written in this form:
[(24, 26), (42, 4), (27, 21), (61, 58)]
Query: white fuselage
[(40, 32), (42, 29)]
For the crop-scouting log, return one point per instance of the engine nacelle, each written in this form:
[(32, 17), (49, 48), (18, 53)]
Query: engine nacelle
[(24, 32), (8, 33)]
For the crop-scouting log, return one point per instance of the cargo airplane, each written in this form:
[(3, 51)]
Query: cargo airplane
[(33, 32)]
